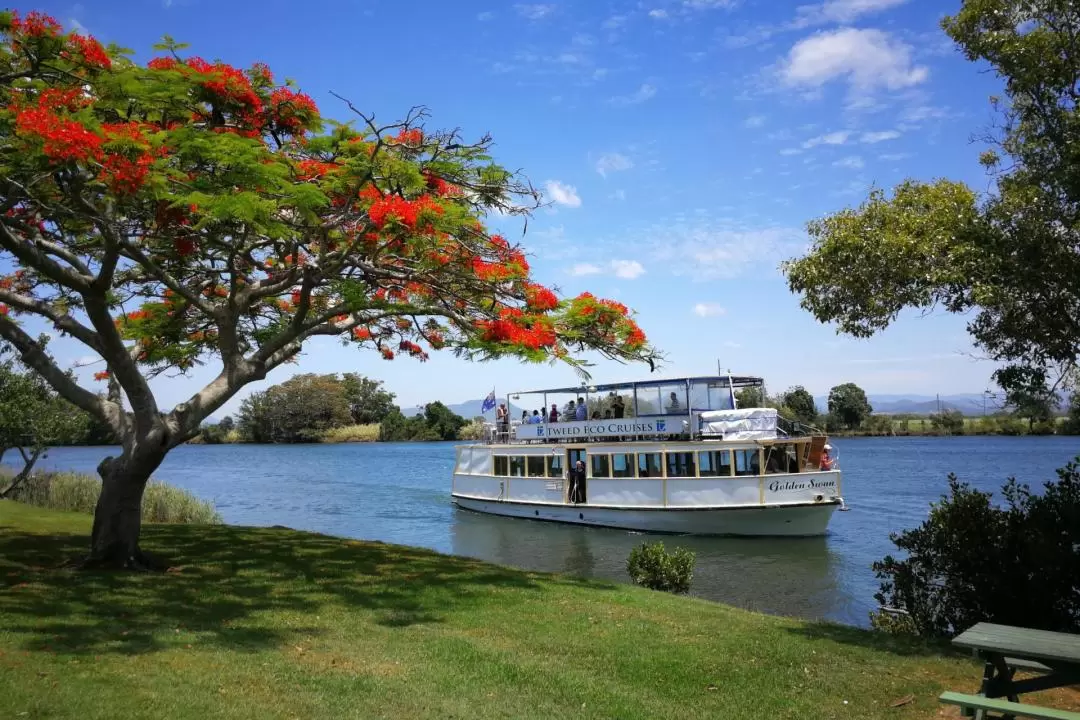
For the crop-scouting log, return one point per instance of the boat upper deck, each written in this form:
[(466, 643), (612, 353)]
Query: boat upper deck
[(690, 408)]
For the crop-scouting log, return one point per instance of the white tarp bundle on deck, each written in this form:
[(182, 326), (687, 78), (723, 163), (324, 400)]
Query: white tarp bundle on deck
[(747, 424)]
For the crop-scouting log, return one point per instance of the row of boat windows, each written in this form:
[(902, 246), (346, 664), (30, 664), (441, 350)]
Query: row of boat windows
[(705, 463)]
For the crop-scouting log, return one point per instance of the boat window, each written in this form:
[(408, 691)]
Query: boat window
[(649, 465), (780, 459), (714, 462), (463, 459), (502, 465), (535, 465), (554, 466), (673, 398), (517, 466), (622, 465), (712, 395), (648, 400), (601, 466), (747, 462), (680, 464)]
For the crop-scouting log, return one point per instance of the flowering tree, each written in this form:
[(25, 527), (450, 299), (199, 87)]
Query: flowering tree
[(186, 212)]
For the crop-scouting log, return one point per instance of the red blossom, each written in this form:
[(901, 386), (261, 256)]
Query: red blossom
[(92, 52), (3, 309), (162, 63), (62, 139), (184, 246), (103, 375), (35, 24), (361, 333), (291, 111), (415, 136), (387, 353), (539, 299)]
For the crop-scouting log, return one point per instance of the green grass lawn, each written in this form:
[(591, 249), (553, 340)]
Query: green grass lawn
[(272, 623)]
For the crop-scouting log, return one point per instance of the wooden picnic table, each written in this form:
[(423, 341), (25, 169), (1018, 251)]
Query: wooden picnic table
[(1006, 649)]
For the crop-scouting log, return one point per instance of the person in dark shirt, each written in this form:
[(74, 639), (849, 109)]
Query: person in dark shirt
[(576, 475), (553, 416), (617, 406)]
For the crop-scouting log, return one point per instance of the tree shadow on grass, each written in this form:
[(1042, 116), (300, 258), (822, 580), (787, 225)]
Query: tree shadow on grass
[(234, 587), (908, 646)]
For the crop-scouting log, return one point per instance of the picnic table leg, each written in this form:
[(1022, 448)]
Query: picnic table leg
[(997, 682)]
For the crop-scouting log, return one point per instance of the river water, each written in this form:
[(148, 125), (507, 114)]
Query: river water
[(400, 493)]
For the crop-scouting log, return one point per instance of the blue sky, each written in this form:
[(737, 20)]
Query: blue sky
[(683, 145)]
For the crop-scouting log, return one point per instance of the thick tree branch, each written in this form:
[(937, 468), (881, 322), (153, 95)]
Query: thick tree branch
[(61, 321)]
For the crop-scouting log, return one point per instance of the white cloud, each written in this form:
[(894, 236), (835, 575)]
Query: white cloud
[(614, 22), (865, 58), (790, 151), (703, 251), (658, 14), (921, 113), (754, 121), (834, 138), (585, 269), (709, 4), (613, 162), (890, 157), (731, 344), (624, 269), (534, 11), (876, 137), (619, 194), (643, 93), (708, 309), (627, 269), (853, 162), (485, 16), (840, 12), (563, 194)]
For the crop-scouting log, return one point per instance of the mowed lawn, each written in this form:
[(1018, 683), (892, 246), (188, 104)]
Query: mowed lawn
[(272, 623)]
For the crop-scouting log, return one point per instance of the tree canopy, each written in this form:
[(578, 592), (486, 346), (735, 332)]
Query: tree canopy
[(1009, 257), (849, 406), (801, 404), (186, 211)]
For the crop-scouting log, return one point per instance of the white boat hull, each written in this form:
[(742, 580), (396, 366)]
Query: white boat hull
[(768, 520)]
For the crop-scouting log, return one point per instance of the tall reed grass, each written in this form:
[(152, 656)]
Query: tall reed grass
[(76, 492), (352, 433)]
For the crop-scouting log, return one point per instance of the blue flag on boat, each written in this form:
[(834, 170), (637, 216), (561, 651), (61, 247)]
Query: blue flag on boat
[(489, 402)]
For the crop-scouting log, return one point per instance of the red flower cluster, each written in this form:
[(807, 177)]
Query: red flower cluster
[(184, 246), (361, 333), (311, 169), (539, 299), (36, 24), (387, 353), (413, 349), (439, 186), (92, 52), (404, 211), (291, 111), (414, 136), (63, 139), (162, 63), (103, 375), (516, 328), (3, 309), (635, 338)]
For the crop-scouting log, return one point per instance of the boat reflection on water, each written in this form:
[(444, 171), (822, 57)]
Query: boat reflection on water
[(781, 576)]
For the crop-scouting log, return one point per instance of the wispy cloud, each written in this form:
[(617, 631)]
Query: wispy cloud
[(708, 309), (866, 59), (852, 162), (709, 4), (485, 16), (534, 11), (703, 250), (892, 157), (754, 121), (643, 93), (841, 12), (834, 138), (876, 137), (612, 162), (563, 194), (658, 13), (623, 269)]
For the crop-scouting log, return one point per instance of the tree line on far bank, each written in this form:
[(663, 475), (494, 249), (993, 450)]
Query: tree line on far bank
[(849, 412), (335, 408)]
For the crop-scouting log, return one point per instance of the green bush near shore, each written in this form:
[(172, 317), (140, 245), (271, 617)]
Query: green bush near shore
[(272, 623), (76, 492), (352, 433)]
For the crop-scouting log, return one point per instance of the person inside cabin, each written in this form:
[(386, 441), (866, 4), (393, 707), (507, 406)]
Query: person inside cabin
[(502, 421), (576, 475), (571, 412), (607, 414), (581, 412), (535, 419), (524, 417), (673, 403), (553, 416), (618, 408)]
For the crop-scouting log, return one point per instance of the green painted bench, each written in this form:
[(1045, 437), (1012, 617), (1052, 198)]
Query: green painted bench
[(978, 702)]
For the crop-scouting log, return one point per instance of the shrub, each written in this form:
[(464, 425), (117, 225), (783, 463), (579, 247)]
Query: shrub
[(352, 433), (973, 561), (75, 492), (651, 565), (473, 431)]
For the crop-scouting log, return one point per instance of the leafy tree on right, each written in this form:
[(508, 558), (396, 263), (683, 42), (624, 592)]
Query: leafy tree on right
[(848, 405), (1010, 257)]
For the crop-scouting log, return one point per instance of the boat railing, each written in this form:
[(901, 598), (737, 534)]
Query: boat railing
[(795, 428)]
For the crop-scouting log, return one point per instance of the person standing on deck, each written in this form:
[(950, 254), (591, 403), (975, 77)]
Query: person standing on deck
[(553, 416), (582, 411), (502, 421), (576, 476)]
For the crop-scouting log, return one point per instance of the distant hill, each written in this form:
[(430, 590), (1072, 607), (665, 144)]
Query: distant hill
[(469, 409)]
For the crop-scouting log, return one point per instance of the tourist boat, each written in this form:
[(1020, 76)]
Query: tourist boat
[(674, 456)]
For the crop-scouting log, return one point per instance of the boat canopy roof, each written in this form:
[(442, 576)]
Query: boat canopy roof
[(716, 381)]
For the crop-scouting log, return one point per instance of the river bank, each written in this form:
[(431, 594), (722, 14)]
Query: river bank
[(273, 623)]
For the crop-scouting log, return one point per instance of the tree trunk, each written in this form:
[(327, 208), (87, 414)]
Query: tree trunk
[(114, 542)]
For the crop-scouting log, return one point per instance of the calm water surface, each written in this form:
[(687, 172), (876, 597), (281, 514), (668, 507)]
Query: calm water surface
[(400, 493)]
